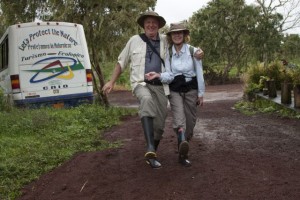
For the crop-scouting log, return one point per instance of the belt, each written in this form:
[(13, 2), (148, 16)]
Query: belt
[(154, 82)]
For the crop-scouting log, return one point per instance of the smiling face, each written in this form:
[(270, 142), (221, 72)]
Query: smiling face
[(177, 37), (151, 26)]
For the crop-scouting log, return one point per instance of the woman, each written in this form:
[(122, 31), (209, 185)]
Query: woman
[(184, 74)]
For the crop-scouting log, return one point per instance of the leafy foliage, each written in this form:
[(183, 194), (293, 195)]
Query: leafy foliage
[(13, 12), (265, 106), (223, 30), (253, 76), (233, 34), (5, 105), (295, 74), (274, 71), (290, 49)]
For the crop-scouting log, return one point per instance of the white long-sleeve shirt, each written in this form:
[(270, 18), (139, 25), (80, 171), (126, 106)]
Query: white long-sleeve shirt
[(182, 63)]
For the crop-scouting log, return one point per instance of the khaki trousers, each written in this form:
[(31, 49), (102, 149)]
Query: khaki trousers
[(153, 103), (184, 111)]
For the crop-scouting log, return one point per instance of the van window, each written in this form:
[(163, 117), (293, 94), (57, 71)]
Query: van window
[(4, 54)]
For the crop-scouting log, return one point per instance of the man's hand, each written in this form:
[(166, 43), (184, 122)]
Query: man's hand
[(199, 54), (151, 75), (107, 88)]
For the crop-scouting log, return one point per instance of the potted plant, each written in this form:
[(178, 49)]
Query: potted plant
[(263, 82), (272, 88), (296, 85), (274, 73), (286, 86)]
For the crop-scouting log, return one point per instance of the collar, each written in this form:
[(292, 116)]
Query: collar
[(182, 50), (156, 39)]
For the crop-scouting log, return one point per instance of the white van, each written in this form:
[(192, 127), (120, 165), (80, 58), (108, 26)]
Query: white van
[(45, 63)]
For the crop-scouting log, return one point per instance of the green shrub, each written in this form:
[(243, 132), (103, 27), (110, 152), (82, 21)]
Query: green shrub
[(295, 74), (5, 104), (276, 71), (252, 78), (256, 74), (1, 100), (267, 107)]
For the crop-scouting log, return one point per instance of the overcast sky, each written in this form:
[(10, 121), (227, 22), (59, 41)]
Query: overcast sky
[(178, 10)]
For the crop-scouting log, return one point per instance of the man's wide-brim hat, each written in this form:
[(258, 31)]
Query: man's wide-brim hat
[(180, 26), (143, 16)]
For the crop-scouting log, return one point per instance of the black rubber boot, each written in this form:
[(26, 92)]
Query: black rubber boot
[(184, 161), (150, 155), (183, 149), (156, 143), (147, 123)]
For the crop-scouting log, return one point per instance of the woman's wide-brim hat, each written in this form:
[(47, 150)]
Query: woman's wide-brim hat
[(180, 26), (146, 14)]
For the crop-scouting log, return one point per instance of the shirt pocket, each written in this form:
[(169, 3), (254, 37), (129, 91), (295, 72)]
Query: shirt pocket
[(177, 65), (137, 57)]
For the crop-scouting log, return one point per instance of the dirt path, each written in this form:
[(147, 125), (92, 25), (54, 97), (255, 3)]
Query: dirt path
[(234, 157)]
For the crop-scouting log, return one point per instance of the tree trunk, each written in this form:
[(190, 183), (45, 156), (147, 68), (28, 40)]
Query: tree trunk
[(101, 97)]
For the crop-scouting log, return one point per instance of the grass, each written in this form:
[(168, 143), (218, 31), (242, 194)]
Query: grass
[(33, 142), (265, 106)]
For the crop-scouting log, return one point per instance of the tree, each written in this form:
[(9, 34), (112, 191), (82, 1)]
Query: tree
[(13, 12), (269, 30), (291, 47), (289, 9), (223, 30), (276, 16)]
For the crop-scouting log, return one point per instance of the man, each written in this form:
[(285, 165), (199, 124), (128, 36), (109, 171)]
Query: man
[(152, 95)]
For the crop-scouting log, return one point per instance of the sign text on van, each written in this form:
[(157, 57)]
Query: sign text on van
[(46, 32)]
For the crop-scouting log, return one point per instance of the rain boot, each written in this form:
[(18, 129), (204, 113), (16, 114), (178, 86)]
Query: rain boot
[(156, 143), (183, 149), (150, 154)]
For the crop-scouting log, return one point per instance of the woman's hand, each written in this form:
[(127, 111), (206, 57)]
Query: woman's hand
[(200, 101)]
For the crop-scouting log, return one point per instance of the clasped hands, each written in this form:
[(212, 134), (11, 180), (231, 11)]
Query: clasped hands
[(152, 75)]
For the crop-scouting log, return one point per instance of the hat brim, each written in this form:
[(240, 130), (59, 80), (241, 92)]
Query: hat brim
[(161, 20), (185, 31)]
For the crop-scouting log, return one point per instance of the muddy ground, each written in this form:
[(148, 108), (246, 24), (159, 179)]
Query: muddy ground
[(234, 157)]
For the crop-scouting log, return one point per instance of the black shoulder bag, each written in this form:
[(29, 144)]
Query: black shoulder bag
[(145, 39)]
